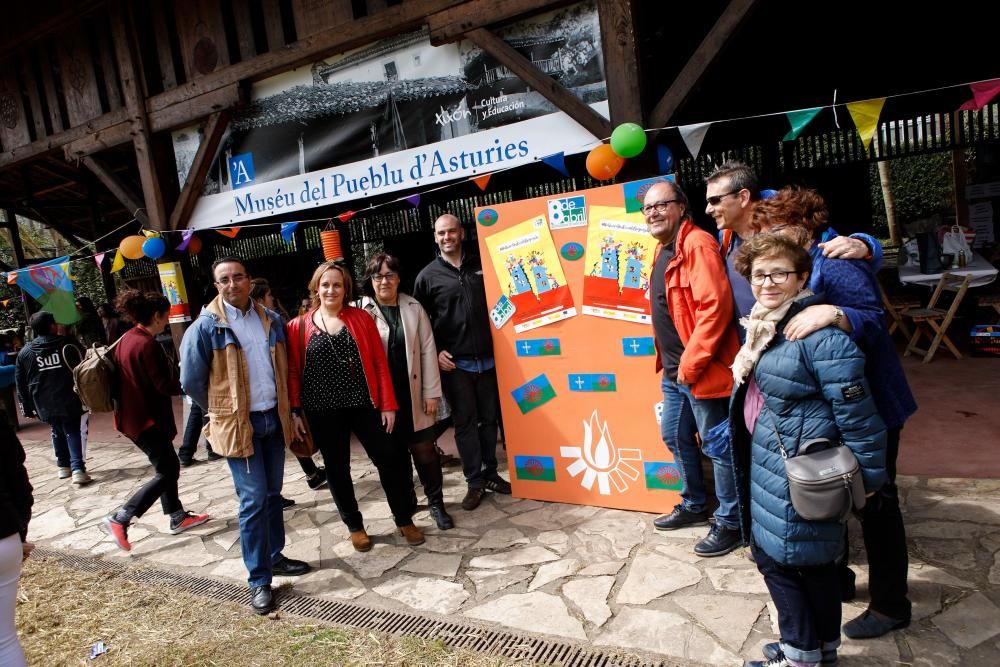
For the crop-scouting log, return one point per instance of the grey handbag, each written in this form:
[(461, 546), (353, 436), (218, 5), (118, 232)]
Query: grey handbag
[(824, 479)]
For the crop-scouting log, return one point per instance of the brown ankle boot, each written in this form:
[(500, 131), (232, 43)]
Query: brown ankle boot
[(360, 540), (412, 534)]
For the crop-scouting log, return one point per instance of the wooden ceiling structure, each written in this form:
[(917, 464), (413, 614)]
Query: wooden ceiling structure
[(90, 90)]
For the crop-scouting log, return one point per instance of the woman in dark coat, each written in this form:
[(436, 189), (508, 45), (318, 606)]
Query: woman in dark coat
[(787, 392)]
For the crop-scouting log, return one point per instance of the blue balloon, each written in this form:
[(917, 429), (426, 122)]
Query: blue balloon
[(154, 247), (665, 159)]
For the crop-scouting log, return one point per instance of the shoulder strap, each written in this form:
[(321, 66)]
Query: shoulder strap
[(774, 427)]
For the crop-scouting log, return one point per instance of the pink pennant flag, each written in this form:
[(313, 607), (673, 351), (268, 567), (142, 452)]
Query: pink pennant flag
[(982, 93), (99, 257)]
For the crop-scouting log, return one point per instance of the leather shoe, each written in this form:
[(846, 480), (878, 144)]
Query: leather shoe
[(289, 567), (414, 536), (441, 516), (360, 540), (680, 518), (262, 599), (719, 541), (872, 624), (472, 499), (773, 652)]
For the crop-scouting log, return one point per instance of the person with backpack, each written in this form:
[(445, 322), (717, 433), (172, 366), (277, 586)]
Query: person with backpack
[(143, 390), (44, 378)]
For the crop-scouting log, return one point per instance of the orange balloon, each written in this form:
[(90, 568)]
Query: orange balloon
[(603, 163), (194, 245), (131, 247)]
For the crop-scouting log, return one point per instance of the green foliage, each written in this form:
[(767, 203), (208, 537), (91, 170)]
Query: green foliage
[(921, 186)]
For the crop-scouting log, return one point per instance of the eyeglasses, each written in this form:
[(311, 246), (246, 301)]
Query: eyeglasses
[(777, 277), (659, 207), (715, 200), (238, 278), (380, 277)]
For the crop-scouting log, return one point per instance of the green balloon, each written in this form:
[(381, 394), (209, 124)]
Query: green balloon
[(628, 139)]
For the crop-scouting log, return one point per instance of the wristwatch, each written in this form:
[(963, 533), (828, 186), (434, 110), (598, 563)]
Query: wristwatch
[(838, 315)]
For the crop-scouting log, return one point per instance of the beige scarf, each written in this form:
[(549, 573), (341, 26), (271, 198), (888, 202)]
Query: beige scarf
[(761, 326)]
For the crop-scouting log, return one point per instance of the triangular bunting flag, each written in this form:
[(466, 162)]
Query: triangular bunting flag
[(798, 120), (231, 232), (557, 162), (65, 267), (99, 258), (186, 237), (150, 234), (414, 200), (346, 215), (865, 115), (982, 93), (287, 229), (119, 262), (481, 181), (5, 302), (693, 136), (12, 278)]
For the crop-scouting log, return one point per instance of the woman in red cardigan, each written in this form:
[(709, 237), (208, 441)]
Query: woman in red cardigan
[(338, 380), (144, 412)]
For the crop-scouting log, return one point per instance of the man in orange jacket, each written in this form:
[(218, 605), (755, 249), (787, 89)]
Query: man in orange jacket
[(696, 340)]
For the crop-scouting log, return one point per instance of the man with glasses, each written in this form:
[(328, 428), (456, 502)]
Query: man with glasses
[(451, 290), (695, 334), (249, 423), (730, 198)]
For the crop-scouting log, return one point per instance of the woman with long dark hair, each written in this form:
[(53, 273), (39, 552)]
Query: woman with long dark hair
[(338, 380), (144, 412), (408, 341)]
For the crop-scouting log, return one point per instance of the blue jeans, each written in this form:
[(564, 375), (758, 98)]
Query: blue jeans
[(258, 485), (67, 442), (683, 416), (808, 604)]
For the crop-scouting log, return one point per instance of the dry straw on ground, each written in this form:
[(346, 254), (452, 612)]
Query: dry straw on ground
[(62, 612)]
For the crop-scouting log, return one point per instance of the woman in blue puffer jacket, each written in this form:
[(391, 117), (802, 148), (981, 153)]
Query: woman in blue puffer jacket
[(809, 388)]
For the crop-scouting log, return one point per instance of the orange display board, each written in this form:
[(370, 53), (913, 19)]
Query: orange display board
[(568, 279)]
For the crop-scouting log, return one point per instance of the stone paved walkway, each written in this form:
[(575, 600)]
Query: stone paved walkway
[(579, 573)]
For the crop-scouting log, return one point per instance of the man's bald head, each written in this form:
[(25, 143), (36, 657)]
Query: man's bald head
[(448, 235)]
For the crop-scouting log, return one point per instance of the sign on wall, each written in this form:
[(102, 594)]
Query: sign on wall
[(172, 280), (579, 393), (397, 115)]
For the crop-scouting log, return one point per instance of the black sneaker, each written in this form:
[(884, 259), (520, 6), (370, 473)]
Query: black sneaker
[(773, 651), (680, 518), (187, 463), (498, 485), (286, 502), (212, 456), (317, 480), (441, 516), (872, 624), (719, 541)]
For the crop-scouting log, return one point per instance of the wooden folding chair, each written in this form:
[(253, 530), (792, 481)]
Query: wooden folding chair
[(894, 307), (933, 322)]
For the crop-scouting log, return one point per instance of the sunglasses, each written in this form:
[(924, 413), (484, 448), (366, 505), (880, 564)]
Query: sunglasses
[(715, 200)]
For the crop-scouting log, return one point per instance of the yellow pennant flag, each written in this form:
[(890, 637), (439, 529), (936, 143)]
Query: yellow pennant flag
[(150, 234), (65, 267), (119, 262), (5, 302), (865, 115)]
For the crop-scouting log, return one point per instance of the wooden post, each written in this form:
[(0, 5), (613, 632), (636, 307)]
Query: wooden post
[(959, 172), (621, 61), (887, 199), (18, 248)]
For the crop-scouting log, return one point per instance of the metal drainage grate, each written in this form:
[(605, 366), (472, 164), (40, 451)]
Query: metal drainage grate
[(457, 635)]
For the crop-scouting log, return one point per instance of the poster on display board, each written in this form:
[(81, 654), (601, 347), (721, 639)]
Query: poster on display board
[(172, 281), (580, 395), (397, 115)]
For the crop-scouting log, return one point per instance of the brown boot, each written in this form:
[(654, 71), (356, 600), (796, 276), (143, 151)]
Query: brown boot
[(412, 534), (360, 540)]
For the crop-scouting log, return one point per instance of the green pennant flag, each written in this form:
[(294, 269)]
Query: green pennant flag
[(798, 120)]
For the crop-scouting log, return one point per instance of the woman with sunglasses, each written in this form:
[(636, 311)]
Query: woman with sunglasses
[(408, 341)]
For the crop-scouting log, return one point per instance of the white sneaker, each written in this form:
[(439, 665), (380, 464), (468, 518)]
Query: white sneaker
[(81, 477), (64, 473)]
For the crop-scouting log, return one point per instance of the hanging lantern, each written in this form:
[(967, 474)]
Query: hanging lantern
[(330, 239)]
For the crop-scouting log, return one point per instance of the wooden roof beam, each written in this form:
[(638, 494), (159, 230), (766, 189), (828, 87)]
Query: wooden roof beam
[(552, 90), (212, 134), (700, 61), (118, 188), (451, 24), (621, 60)]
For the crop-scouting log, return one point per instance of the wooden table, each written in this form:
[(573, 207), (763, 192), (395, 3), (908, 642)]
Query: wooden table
[(982, 272)]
